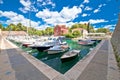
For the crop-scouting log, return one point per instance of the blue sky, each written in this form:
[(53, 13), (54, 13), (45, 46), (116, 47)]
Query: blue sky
[(45, 13)]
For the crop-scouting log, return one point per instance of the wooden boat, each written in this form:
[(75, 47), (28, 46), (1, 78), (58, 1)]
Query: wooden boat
[(70, 55), (58, 49)]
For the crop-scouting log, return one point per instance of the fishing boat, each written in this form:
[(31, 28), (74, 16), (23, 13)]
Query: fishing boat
[(58, 49), (70, 55)]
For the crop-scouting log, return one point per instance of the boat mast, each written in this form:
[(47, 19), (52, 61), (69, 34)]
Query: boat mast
[(29, 22)]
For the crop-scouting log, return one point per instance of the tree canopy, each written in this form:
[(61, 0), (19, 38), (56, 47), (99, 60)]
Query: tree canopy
[(103, 30), (50, 30)]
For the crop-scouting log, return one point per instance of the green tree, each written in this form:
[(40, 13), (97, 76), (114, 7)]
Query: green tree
[(38, 33), (1, 27), (19, 27), (75, 26), (11, 27), (103, 30), (69, 35), (76, 33), (49, 31), (84, 26)]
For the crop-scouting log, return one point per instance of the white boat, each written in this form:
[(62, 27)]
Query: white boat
[(86, 42), (41, 46), (70, 55), (58, 49)]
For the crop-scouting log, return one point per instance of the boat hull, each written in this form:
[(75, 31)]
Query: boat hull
[(54, 51), (41, 49), (57, 51), (26, 45), (70, 55), (68, 58), (86, 43)]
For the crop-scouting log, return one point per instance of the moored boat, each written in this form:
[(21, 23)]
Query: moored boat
[(86, 42), (70, 55), (27, 43), (58, 49), (41, 46)]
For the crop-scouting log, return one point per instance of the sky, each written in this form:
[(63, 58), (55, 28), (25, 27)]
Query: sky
[(48, 13)]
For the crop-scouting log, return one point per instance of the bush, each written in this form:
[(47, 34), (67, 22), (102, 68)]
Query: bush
[(69, 35)]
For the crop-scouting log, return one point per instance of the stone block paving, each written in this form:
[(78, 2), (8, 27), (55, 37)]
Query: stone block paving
[(15, 66), (97, 69), (13, 63)]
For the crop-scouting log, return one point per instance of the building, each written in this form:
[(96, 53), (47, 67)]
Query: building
[(59, 30), (14, 33), (84, 32)]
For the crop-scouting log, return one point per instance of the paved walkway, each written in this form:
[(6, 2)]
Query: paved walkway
[(97, 68), (98, 65), (14, 66)]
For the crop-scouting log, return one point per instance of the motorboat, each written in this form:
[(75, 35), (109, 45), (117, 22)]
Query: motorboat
[(69, 55), (27, 43), (41, 46), (86, 42), (58, 49)]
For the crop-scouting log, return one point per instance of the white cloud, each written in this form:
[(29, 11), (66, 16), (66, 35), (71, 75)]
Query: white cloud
[(96, 10), (7, 14), (88, 8), (26, 3), (82, 6), (83, 15), (86, 1), (45, 2), (94, 21), (64, 16), (112, 26), (17, 18), (101, 5), (83, 22), (1, 1), (27, 6), (39, 0)]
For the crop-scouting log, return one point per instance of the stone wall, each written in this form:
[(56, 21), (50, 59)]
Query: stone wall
[(116, 37)]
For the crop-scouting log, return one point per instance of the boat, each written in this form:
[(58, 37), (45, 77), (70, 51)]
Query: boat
[(27, 43), (69, 55), (86, 42), (58, 49), (41, 46)]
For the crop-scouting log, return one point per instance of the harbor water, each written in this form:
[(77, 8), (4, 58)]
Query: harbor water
[(54, 60)]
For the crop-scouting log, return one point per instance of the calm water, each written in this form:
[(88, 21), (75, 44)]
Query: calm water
[(54, 60)]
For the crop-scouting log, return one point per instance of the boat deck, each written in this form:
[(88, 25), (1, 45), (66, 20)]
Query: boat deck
[(99, 64)]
